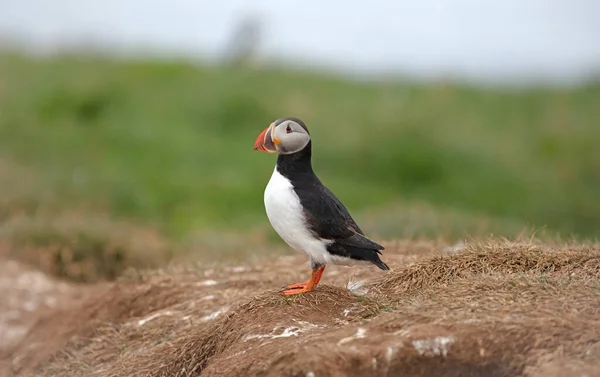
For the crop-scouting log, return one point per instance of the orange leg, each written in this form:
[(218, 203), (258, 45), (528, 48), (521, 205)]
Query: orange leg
[(319, 274), (295, 289)]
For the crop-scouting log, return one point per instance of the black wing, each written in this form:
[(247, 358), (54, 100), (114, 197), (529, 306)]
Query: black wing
[(329, 219)]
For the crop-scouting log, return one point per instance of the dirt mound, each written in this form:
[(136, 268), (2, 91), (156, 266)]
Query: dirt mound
[(494, 309), (25, 293), (25, 296)]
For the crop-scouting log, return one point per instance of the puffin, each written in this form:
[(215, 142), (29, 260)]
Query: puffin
[(305, 213)]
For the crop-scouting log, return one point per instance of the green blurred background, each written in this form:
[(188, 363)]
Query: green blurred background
[(170, 144)]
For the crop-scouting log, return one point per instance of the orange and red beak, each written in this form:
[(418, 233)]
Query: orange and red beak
[(265, 142)]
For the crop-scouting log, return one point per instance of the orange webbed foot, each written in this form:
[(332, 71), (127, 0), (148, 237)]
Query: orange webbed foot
[(308, 286), (297, 289), (298, 286)]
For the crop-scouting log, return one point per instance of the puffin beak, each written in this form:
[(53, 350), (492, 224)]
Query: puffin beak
[(264, 142)]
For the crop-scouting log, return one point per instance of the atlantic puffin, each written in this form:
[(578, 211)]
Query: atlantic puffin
[(305, 213)]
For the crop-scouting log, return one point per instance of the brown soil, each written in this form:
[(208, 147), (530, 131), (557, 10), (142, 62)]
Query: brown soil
[(498, 308)]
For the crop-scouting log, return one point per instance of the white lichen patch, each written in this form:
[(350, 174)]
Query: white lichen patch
[(346, 312), (438, 346), (389, 354), (152, 317), (213, 315), (240, 353), (402, 332), (286, 331), (360, 333), (308, 325), (207, 283)]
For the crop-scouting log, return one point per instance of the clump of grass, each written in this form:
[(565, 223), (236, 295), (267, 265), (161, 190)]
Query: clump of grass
[(83, 248), (504, 258)]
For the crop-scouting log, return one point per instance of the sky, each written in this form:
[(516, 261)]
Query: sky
[(548, 40)]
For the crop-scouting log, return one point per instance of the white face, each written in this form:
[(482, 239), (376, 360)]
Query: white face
[(292, 137), (285, 138)]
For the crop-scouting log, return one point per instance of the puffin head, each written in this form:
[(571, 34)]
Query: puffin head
[(284, 136)]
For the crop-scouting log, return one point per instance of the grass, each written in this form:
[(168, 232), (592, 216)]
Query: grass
[(169, 144)]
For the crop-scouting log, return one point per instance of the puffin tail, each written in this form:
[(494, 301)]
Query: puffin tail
[(358, 253), (381, 264)]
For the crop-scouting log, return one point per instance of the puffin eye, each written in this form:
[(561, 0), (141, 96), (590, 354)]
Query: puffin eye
[(288, 129)]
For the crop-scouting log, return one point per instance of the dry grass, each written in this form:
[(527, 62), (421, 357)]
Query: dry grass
[(497, 308), (502, 258)]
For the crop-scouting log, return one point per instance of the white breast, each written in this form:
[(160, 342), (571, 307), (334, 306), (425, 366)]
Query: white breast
[(284, 211)]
